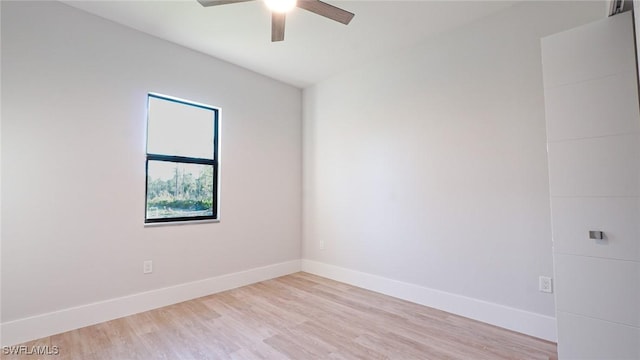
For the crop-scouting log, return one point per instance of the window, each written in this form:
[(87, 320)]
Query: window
[(182, 160)]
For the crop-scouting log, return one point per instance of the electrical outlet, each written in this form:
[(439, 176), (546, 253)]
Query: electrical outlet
[(545, 284), (321, 244), (147, 267)]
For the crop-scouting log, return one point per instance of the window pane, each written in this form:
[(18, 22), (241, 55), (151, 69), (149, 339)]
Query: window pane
[(179, 190), (179, 129)]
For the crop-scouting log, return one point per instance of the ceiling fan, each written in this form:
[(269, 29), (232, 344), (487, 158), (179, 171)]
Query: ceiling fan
[(279, 8)]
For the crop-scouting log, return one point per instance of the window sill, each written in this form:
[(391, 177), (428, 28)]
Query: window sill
[(180, 223)]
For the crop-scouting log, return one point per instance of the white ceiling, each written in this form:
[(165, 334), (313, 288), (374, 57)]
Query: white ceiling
[(314, 47)]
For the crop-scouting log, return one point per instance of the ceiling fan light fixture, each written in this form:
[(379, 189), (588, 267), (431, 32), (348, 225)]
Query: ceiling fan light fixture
[(280, 6)]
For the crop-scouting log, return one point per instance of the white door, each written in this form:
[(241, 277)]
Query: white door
[(593, 142)]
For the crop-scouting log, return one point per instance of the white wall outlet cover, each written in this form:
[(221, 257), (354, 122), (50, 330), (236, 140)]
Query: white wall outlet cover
[(147, 267), (545, 284)]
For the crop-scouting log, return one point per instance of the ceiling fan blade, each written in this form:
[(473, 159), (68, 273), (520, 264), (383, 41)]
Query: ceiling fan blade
[(219, 2), (277, 26), (326, 10)]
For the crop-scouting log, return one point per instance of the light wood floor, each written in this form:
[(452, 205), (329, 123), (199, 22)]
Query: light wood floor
[(299, 316)]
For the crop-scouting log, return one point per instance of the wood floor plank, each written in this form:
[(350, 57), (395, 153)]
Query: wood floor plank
[(299, 316)]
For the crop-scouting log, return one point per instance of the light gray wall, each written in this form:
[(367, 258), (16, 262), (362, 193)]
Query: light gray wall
[(429, 166), (73, 154)]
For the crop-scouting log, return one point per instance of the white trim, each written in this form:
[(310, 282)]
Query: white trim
[(39, 326), (35, 327), (533, 324)]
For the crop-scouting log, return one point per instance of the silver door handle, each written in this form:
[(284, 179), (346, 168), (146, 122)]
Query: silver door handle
[(596, 235)]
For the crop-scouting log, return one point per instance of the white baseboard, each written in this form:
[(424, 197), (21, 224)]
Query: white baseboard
[(39, 326), (35, 327), (533, 324)]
